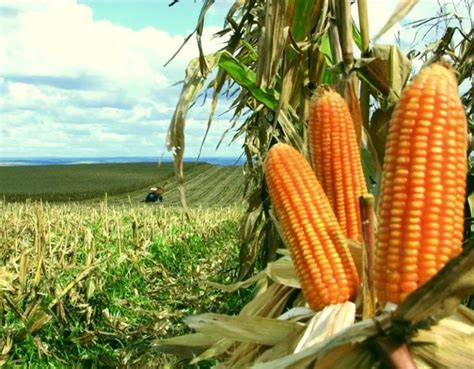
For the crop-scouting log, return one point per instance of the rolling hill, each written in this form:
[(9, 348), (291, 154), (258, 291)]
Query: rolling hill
[(205, 184)]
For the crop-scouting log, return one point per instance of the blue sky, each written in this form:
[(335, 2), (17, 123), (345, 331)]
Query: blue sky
[(86, 78), (179, 19)]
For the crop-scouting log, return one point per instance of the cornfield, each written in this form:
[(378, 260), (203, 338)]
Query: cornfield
[(94, 284)]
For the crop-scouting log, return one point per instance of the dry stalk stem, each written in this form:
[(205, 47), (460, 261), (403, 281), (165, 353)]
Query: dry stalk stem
[(364, 32), (367, 213), (344, 20)]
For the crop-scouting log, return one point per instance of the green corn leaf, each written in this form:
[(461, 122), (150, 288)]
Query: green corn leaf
[(245, 77)]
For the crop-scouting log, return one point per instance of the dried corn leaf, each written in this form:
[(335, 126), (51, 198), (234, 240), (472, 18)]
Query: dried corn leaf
[(402, 9), (269, 303), (356, 252), (217, 349), (462, 320), (450, 344), (273, 40), (250, 226), (198, 30), (243, 356), (71, 285), (284, 348), (23, 271), (370, 164), (193, 83), (217, 85), (329, 321), (283, 252), (278, 227), (378, 130), (243, 284), (387, 72), (252, 220), (83, 338), (442, 294), (293, 137), (354, 105), (37, 322), (271, 242), (185, 346), (6, 343), (6, 279), (464, 314), (247, 328), (288, 84), (348, 356), (399, 71), (355, 334), (283, 271), (297, 313), (470, 201), (317, 66)]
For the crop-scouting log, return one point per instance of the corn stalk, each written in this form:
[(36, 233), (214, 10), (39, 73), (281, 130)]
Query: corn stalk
[(277, 53)]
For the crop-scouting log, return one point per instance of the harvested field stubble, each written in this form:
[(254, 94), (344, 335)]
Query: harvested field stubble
[(91, 284)]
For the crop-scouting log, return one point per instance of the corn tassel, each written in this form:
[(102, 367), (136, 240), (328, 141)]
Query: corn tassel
[(336, 158), (323, 262), (423, 185)]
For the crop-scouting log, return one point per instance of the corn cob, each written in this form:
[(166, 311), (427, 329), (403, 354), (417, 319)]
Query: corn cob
[(323, 262), (336, 158), (423, 185)]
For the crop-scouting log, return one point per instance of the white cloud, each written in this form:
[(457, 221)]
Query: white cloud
[(71, 85), (110, 137), (61, 38)]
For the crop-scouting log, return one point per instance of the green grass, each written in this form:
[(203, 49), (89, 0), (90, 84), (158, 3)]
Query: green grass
[(206, 184), (92, 285)]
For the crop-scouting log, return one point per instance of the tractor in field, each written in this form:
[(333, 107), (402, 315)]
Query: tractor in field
[(155, 194)]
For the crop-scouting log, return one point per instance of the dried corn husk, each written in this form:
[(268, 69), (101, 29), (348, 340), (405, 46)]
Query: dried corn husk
[(266, 336)]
